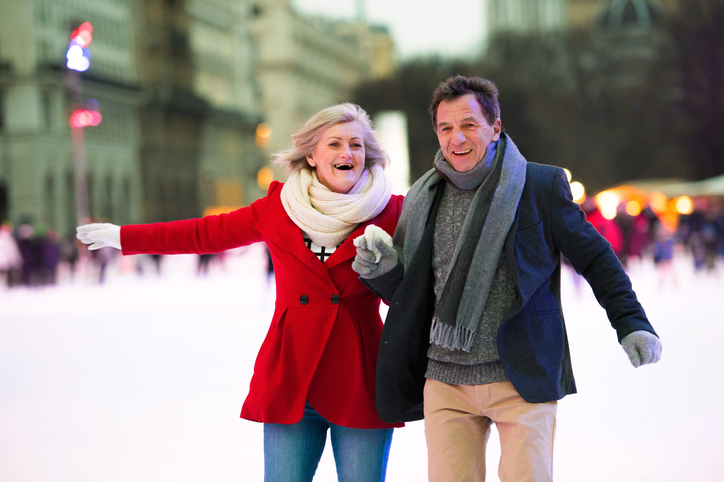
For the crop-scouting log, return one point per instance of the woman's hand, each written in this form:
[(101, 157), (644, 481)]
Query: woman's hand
[(100, 235)]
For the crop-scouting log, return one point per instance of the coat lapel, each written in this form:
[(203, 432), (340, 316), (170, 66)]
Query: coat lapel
[(276, 226)]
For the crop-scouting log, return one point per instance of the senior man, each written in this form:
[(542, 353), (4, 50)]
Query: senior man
[(475, 327)]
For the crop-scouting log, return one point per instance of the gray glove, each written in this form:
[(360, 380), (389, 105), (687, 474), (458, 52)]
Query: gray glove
[(375, 253), (100, 235), (642, 347)]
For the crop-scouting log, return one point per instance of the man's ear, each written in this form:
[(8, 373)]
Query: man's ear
[(497, 128)]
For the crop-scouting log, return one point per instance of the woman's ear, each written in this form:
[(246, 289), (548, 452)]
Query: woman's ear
[(311, 161)]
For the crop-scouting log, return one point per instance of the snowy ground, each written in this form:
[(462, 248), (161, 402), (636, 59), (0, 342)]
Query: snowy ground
[(142, 379)]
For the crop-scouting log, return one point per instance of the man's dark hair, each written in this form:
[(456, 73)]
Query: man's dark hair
[(485, 92)]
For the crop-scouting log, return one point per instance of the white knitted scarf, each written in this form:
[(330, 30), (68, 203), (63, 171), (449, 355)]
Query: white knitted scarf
[(328, 217)]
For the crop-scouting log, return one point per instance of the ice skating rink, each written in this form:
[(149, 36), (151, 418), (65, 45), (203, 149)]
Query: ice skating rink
[(142, 380)]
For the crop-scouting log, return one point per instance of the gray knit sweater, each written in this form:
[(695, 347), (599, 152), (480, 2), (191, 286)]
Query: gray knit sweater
[(482, 364)]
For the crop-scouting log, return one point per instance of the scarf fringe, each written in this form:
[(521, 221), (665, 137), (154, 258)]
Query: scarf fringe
[(451, 337)]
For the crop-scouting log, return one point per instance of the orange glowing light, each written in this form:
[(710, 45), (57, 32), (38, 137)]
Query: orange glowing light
[(263, 134), (684, 205), (659, 203), (633, 208), (264, 178)]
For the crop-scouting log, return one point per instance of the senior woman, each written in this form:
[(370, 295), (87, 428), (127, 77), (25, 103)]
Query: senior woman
[(315, 370)]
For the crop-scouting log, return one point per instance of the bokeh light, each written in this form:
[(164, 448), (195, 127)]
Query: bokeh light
[(607, 203), (633, 208), (264, 178), (659, 203), (263, 134), (578, 191), (684, 205)]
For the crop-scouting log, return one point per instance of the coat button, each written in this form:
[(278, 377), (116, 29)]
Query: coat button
[(304, 299), (335, 299)]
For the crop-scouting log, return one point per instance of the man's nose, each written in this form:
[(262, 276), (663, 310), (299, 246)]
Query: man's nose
[(459, 136)]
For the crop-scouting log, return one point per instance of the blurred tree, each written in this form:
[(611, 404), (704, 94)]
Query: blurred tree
[(610, 105), (697, 32)]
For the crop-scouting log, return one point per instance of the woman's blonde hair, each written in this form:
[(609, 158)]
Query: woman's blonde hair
[(306, 139)]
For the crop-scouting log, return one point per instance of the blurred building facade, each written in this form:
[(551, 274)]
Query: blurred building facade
[(198, 121), (182, 87), (36, 155), (306, 64)]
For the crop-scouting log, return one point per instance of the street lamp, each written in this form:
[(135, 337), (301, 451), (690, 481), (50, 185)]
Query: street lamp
[(78, 60)]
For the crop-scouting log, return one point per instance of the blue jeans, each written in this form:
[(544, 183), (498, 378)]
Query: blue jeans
[(292, 452)]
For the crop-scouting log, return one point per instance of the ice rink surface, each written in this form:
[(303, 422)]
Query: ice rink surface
[(142, 380)]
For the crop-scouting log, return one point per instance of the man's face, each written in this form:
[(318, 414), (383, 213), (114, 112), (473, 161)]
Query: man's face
[(463, 132)]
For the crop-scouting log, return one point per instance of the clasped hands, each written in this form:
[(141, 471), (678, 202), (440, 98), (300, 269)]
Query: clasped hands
[(375, 253)]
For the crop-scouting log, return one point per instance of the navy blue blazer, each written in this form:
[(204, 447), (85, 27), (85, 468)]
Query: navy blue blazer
[(532, 340)]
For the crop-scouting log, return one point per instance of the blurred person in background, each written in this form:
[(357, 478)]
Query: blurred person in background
[(50, 248), (664, 242), (31, 253), (640, 238), (608, 228), (69, 254), (10, 260), (315, 371), (475, 332)]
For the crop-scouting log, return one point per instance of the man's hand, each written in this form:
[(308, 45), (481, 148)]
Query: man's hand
[(100, 235), (375, 253), (642, 347)]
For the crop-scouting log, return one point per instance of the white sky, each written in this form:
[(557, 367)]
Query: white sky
[(450, 28)]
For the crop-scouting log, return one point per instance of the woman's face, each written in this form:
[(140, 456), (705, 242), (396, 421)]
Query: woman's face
[(339, 157)]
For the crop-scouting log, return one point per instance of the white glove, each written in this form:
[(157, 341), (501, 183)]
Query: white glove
[(642, 347), (100, 235), (375, 253)]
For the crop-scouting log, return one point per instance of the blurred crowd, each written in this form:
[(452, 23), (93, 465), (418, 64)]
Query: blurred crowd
[(32, 255), (646, 235)]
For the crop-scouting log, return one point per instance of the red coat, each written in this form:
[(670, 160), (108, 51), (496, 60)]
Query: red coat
[(323, 339)]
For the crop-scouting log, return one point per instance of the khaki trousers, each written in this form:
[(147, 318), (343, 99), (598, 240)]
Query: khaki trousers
[(457, 427)]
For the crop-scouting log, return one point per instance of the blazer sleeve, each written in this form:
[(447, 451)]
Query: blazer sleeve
[(210, 234), (591, 256)]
